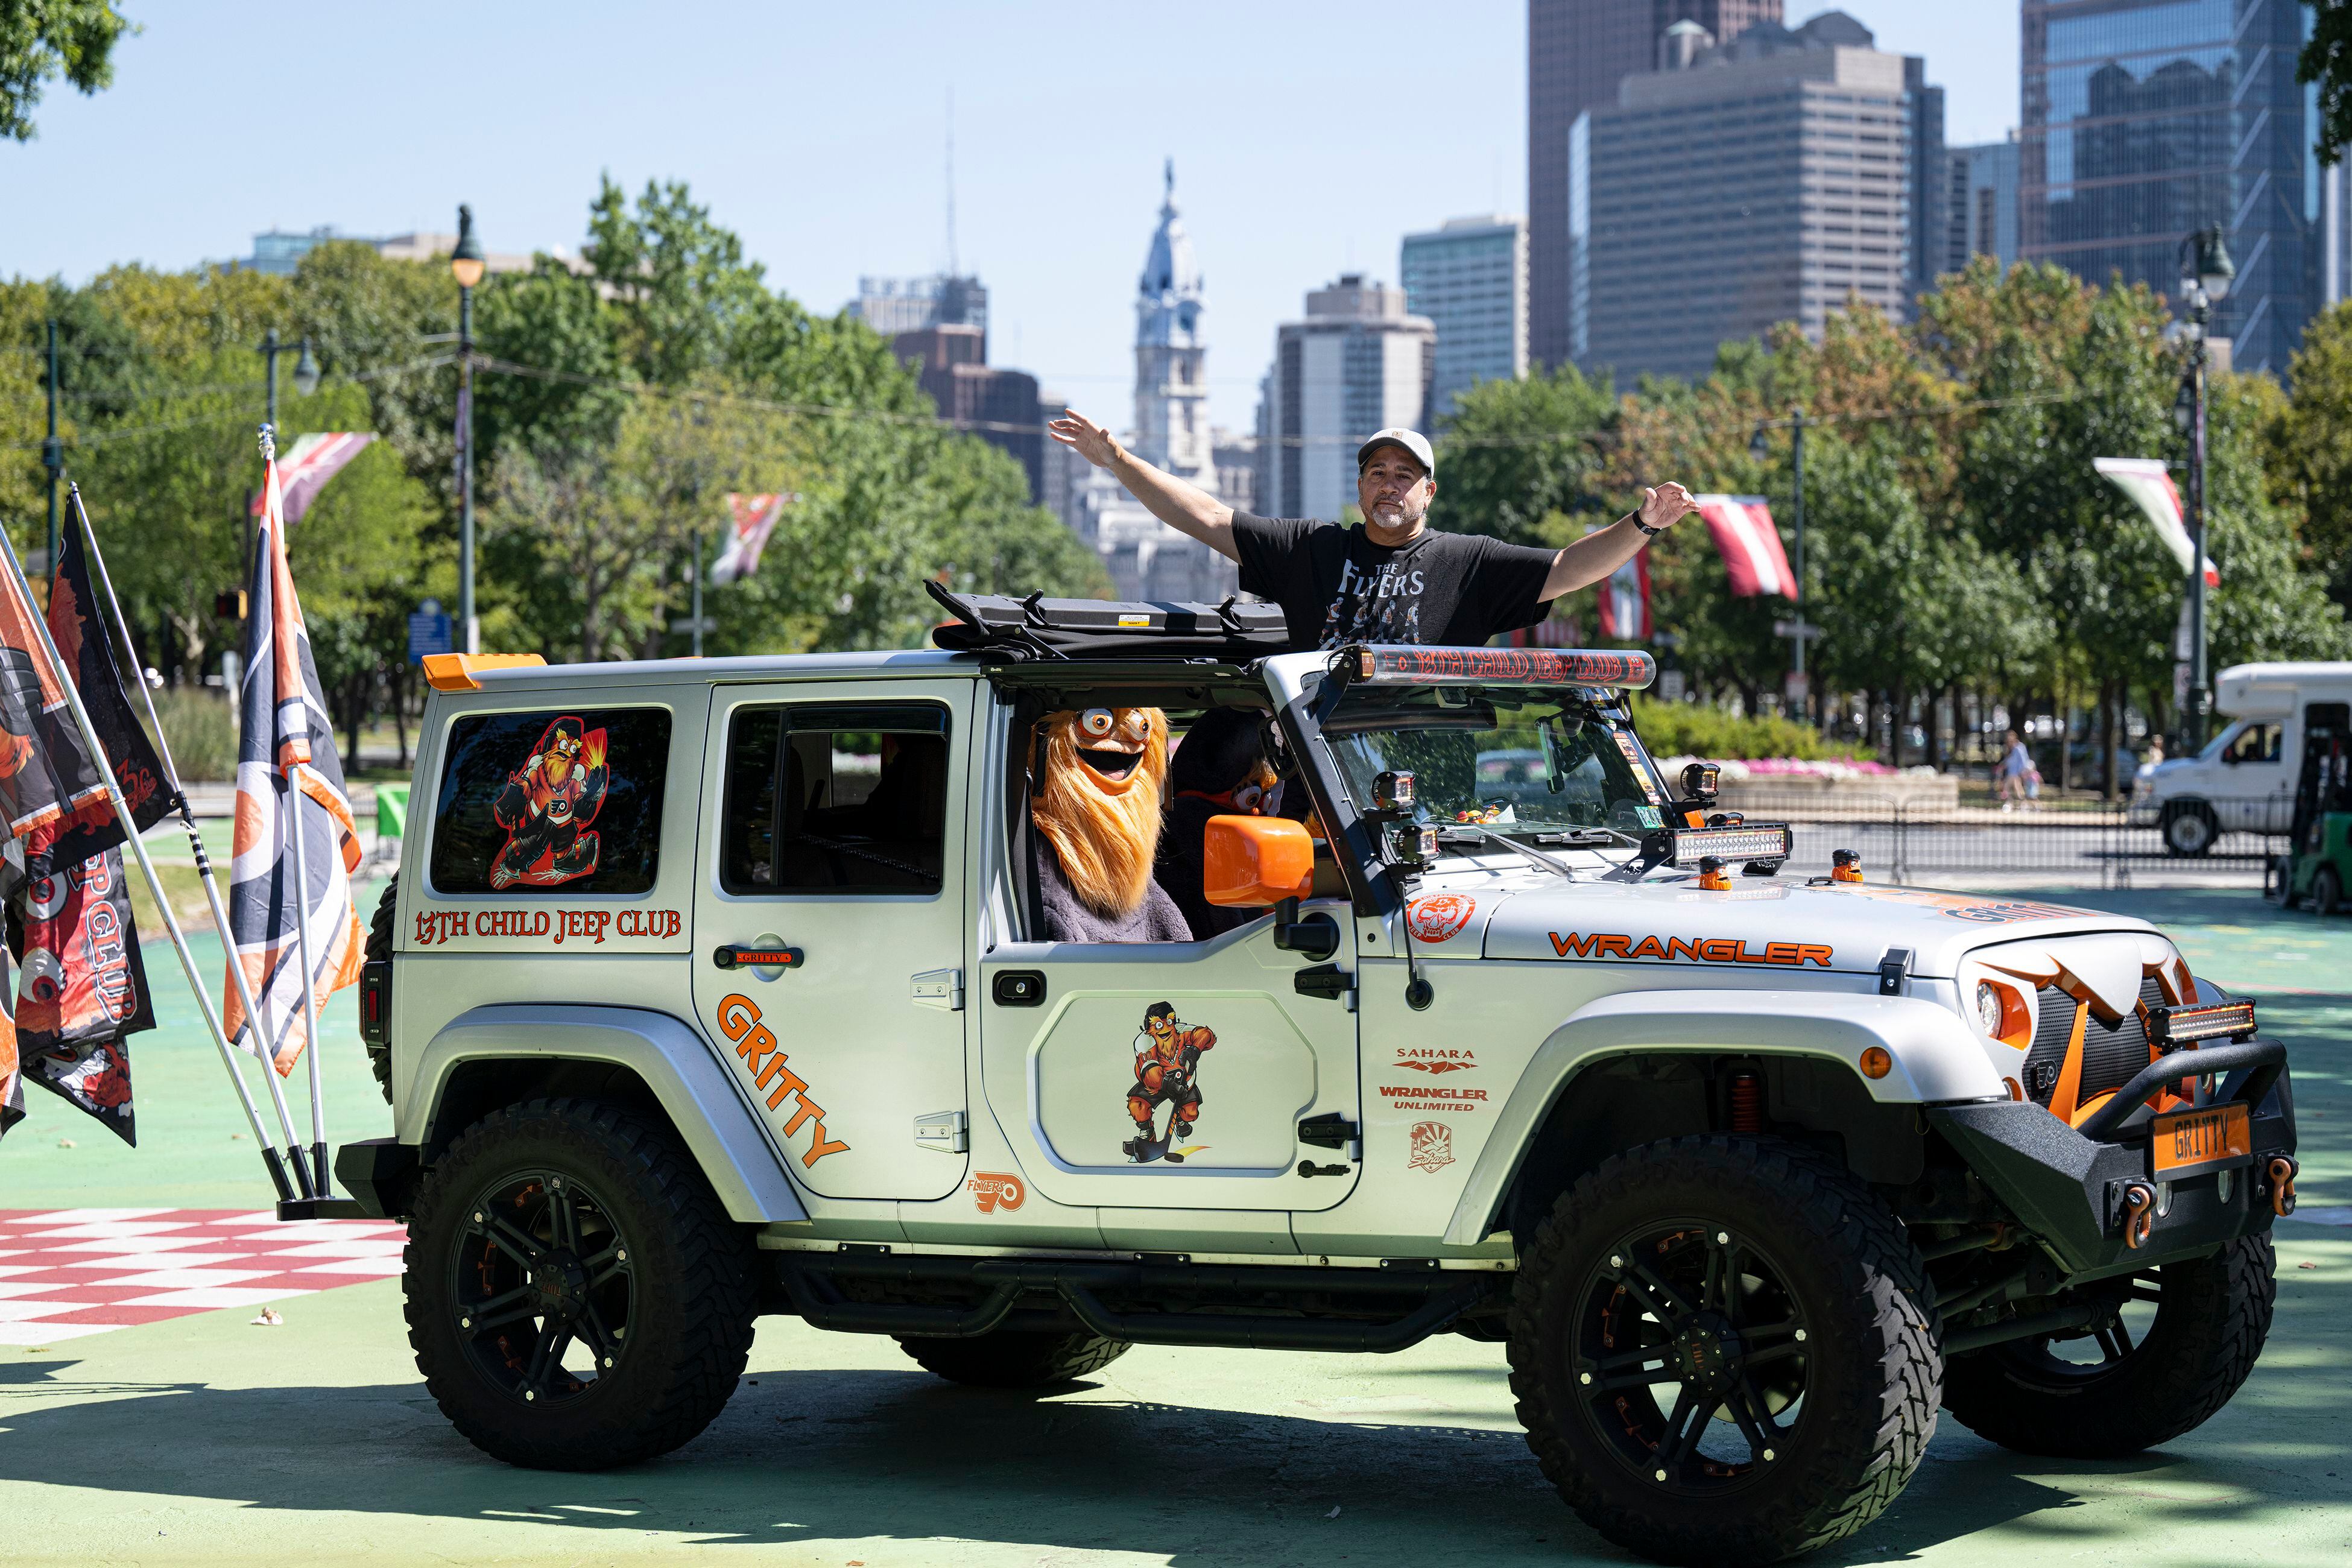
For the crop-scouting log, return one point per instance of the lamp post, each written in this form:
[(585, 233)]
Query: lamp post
[(466, 265), (2206, 271), (306, 369)]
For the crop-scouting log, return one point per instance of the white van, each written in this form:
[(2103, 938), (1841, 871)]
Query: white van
[(2245, 776)]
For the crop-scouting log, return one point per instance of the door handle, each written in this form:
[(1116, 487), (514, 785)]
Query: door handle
[(743, 955)]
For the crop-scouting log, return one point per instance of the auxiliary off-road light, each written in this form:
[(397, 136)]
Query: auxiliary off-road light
[(1701, 781), (1845, 866), (1750, 841), (1388, 665), (1394, 792), (1411, 844), (2187, 1025)]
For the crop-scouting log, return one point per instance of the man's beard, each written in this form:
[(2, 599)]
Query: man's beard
[(1106, 842)]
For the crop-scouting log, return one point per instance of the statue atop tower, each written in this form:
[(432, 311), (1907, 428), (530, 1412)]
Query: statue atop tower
[(1171, 395)]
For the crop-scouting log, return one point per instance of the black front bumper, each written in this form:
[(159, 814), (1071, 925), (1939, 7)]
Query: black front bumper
[(2068, 1189)]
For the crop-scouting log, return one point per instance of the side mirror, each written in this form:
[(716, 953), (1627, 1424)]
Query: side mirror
[(1250, 862)]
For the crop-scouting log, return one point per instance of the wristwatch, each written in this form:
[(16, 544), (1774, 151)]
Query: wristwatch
[(1647, 531)]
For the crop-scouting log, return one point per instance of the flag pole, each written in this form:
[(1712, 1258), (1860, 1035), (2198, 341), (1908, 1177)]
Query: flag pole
[(204, 873), (294, 796), (154, 883)]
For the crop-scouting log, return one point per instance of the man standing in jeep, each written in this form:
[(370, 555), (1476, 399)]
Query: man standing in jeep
[(1393, 580)]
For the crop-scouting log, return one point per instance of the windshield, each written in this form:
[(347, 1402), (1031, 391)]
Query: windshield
[(1511, 758)]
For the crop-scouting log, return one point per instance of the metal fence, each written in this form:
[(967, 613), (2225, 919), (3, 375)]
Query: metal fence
[(1925, 840)]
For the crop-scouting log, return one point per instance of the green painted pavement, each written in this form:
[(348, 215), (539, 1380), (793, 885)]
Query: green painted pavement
[(204, 1439)]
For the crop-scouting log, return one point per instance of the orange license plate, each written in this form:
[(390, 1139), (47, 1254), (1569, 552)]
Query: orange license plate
[(2189, 1142)]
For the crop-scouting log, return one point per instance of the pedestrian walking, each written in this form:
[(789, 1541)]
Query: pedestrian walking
[(1393, 579), (2010, 774)]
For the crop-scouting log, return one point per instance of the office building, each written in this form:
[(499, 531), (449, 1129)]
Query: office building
[(1146, 558), (1237, 459), (1578, 51), (1980, 205), (895, 305), (1764, 180), (280, 251), (1000, 407), (2148, 119), (1470, 278), (1358, 364)]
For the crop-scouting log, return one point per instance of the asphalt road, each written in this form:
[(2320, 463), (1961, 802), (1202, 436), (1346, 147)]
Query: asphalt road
[(207, 1438)]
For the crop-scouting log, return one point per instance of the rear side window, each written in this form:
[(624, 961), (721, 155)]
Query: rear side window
[(834, 799), (559, 799)]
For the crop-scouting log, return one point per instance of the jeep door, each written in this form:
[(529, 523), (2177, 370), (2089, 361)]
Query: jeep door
[(833, 826)]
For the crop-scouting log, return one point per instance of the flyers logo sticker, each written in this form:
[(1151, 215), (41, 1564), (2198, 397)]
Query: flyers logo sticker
[(1433, 1147), (1440, 916), (993, 1190)]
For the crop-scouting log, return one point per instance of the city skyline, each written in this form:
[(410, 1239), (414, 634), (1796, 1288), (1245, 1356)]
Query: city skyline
[(1050, 228)]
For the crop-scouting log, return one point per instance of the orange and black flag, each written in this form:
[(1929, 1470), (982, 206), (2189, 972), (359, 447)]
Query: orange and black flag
[(289, 780)]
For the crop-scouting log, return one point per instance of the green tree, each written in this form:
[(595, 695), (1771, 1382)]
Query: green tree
[(1516, 453), (2327, 59), (41, 40)]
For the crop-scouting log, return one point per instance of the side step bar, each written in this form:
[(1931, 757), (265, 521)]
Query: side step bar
[(1432, 1300)]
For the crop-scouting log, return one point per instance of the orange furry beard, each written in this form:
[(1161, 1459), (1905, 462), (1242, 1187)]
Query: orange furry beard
[(1106, 831)]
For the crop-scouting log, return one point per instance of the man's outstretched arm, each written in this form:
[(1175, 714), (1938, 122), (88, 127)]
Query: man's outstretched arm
[(1187, 509), (1596, 555)]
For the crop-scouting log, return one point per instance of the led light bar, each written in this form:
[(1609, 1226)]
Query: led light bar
[(2187, 1025), (1388, 665), (1769, 841)]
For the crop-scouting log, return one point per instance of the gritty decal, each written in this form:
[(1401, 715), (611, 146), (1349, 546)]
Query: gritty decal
[(546, 807), (1440, 916), (764, 1063), (1166, 1072), (1433, 1147), (1690, 950), (1436, 1058), (993, 1190)]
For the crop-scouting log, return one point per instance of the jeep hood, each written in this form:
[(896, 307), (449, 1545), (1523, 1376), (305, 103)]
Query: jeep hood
[(1778, 926)]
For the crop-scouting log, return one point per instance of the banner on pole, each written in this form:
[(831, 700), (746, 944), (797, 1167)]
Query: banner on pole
[(1750, 545), (1626, 599), (754, 517), (2150, 484), (309, 463)]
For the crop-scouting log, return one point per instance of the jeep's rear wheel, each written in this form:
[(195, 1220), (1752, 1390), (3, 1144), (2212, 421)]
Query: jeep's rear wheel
[(2135, 1380), (576, 1297), (1721, 1350), (1010, 1360)]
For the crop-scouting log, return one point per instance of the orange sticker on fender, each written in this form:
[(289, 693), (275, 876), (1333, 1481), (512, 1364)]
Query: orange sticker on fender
[(1689, 950), (763, 1064)]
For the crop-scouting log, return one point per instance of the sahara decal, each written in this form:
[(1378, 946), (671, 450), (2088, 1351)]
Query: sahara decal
[(1966, 907), (764, 1063), (1433, 1147), (546, 807), (1440, 916), (1167, 1071), (1426, 1098), (993, 1190), (437, 927), (1692, 949), (1434, 1058)]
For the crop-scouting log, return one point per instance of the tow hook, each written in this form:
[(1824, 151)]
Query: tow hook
[(2139, 1213), (2282, 1172)]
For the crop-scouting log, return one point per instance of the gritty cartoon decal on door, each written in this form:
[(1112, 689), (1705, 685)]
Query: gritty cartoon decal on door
[(546, 807), (1166, 1072)]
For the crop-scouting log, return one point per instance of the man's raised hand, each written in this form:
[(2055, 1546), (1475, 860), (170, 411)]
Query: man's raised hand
[(1092, 441), (1666, 505)]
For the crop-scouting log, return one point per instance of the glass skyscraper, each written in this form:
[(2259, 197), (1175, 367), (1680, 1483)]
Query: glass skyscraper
[(2148, 119)]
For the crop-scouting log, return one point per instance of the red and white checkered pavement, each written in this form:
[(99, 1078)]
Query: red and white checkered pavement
[(65, 1273)]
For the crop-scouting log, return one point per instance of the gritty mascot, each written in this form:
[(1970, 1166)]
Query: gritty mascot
[(546, 806), (1167, 1071), (1095, 781)]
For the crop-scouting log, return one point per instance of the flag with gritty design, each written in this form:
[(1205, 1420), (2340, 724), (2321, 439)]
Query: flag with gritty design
[(289, 780)]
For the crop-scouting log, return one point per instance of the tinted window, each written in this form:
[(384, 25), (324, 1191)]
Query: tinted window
[(836, 799), (563, 800)]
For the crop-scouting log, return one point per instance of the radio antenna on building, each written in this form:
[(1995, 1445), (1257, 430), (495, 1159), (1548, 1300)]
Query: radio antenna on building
[(953, 269)]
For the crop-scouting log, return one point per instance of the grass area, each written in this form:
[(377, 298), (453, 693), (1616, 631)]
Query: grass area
[(183, 887)]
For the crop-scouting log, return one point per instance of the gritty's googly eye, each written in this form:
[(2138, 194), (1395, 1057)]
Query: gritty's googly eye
[(1095, 721), (1139, 722)]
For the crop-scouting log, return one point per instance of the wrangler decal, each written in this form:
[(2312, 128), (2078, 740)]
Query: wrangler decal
[(1699, 950)]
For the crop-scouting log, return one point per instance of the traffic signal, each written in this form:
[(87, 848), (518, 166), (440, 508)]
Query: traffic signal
[(229, 605)]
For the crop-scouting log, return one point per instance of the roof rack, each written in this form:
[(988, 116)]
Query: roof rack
[(999, 626)]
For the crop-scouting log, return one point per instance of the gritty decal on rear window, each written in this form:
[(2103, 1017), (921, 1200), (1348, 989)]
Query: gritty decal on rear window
[(547, 807), (552, 802)]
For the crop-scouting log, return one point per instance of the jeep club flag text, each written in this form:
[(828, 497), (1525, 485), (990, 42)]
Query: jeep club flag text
[(289, 780)]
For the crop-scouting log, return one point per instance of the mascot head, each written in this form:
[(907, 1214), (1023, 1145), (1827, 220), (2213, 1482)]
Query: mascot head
[(1096, 797), (561, 746)]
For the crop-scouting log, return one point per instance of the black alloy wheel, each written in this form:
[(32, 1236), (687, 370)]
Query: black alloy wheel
[(544, 1287)]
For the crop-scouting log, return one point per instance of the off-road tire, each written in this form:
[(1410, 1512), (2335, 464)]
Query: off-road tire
[(2211, 1323), (1010, 1360), (378, 948), (2326, 891), (688, 1334), (1871, 1369)]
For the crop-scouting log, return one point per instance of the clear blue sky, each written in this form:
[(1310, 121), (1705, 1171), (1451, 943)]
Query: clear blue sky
[(1307, 138)]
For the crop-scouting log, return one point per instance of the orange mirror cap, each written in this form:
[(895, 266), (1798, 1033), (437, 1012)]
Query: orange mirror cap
[(455, 671), (1248, 862)]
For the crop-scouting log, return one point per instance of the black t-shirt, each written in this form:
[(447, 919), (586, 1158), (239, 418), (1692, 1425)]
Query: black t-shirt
[(1336, 586)]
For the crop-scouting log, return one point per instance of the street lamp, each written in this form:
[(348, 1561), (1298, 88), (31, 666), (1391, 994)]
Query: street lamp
[(466, 265), (2206, 273), (306, 369)]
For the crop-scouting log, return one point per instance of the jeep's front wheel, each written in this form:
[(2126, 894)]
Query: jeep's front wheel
[(1015, 1360), (576, 1297), (2136, 1379), (1722, 1350)]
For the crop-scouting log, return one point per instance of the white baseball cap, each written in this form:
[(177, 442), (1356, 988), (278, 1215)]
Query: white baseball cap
[(1412, 441)]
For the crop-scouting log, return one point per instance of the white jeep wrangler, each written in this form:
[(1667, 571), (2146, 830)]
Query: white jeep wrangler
[(709, 989)]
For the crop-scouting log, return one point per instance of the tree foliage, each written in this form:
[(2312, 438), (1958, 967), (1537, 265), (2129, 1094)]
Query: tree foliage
[(41, 40)]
